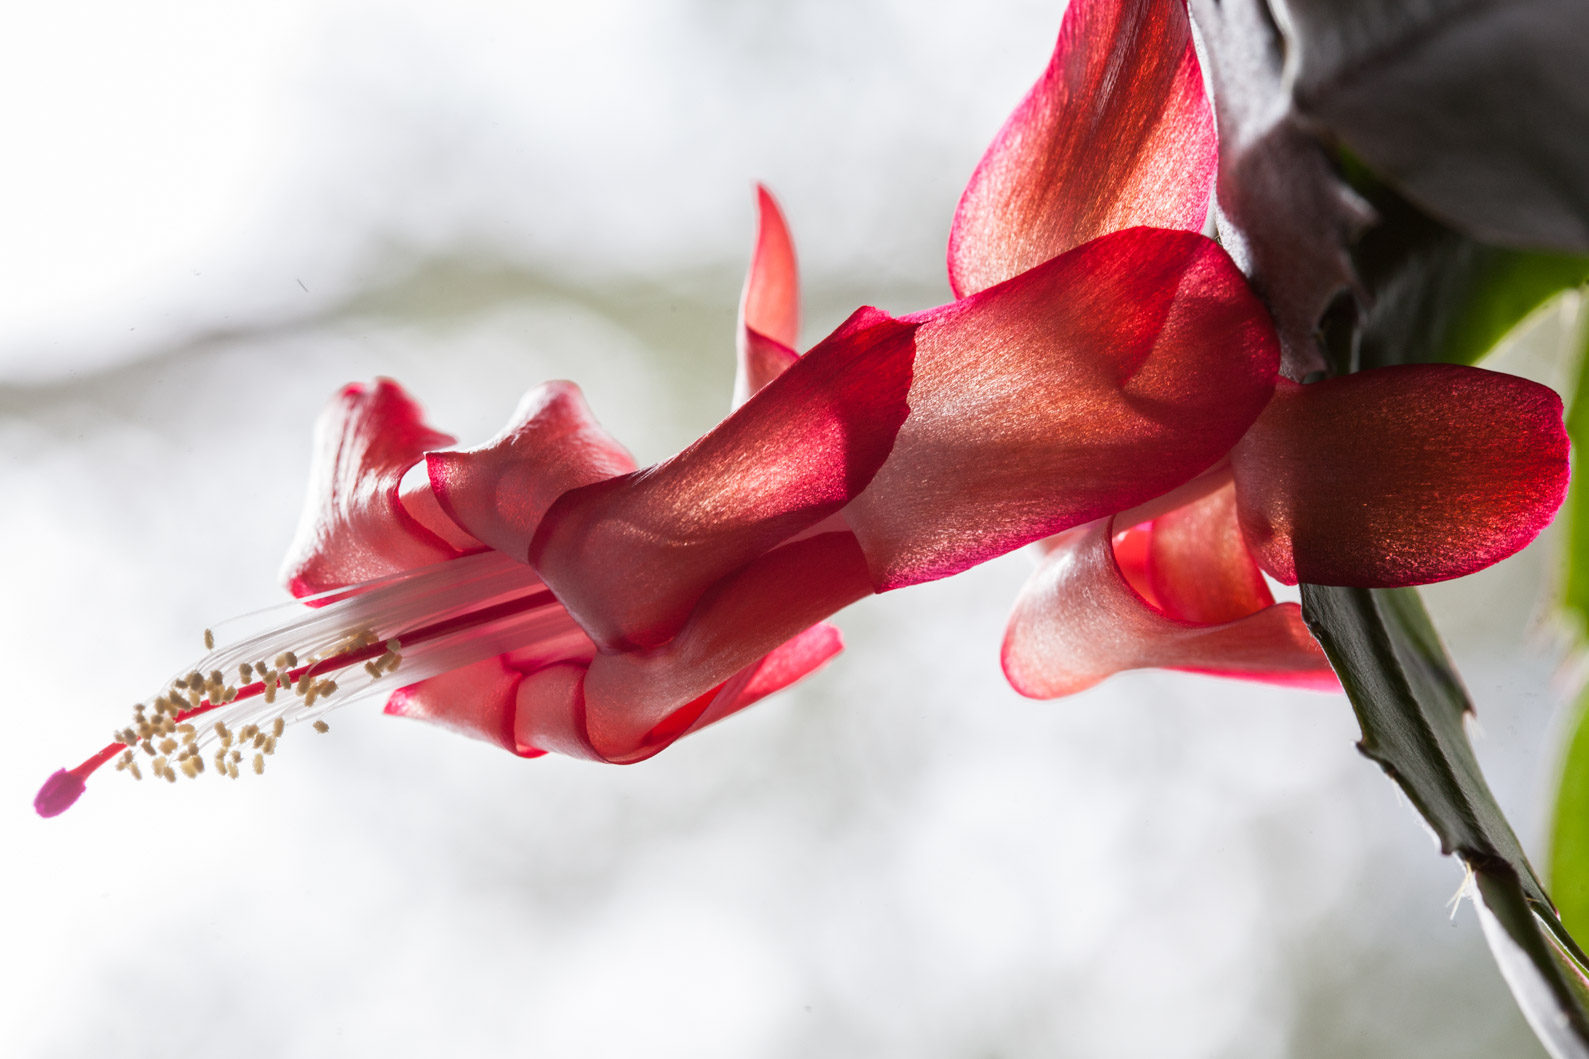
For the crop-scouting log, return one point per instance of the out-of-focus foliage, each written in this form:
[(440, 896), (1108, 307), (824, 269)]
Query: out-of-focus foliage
[(1434, 294), (1569, 853), (1575, 597)]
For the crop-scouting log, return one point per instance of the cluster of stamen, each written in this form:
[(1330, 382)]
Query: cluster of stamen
[(163, 731), (232, 710)]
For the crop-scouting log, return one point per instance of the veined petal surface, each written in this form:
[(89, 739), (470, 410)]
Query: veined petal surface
[(631, 556), (1098, 380), (1399, 476), (1116, 133)]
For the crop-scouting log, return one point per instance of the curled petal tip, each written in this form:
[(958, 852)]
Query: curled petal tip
[(58, 794)]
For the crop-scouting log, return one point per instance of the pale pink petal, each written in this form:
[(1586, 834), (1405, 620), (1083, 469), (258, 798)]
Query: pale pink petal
[(631, 556), (1116, 133), (1400, 476), (549, 712), (500, 491), (1105, 377), (478, 701), (1078, 621), (419, 500), (353, 527)]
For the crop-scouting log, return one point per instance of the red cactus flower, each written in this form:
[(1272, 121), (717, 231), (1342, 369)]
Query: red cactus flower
[(543, 594), (1431, 472)]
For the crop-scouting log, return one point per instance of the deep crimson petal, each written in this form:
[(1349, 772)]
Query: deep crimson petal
[(1078, 621), (500, 491), (769, 308), (1199, 565), (631, 556), (477, 701), (1107, 376), (353, 527), (1116, 133), (1400, 476)]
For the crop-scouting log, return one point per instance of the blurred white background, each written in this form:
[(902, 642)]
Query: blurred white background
[(215, 214)]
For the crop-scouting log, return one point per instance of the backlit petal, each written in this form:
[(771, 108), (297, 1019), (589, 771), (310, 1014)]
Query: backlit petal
[(631, 556), (1116, 133), (761, 360), (1199, 566), (500, 491), (1400, 476), (755, 632), (353, 527), (769, 308), (1078, 621), (477, 701), (551, 711), (1105, 377)]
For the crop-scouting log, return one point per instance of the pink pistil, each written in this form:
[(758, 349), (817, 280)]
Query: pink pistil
[(65, 786)]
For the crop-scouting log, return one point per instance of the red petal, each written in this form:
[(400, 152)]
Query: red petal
[(761, 360), (1078, 621), (630, 557), (783, 666), (1107, 376), (500, 491), (1199, 565), (551, 710), (1400, 476), (477, 701), (419, 500), (792, 661), (745, 617), (353, 526), (480, 700), (752, 634), (769, 309), (1116, 133)]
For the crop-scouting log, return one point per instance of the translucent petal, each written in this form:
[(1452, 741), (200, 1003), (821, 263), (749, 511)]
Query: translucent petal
[(1400, 476), (1116, 133)]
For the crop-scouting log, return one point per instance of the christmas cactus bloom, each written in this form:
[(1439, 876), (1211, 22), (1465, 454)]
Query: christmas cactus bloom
[(1386, 478), (543, 594)]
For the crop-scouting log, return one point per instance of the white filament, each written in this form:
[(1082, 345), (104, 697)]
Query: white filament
[(386, 607)]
